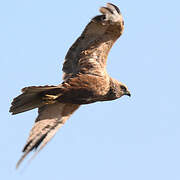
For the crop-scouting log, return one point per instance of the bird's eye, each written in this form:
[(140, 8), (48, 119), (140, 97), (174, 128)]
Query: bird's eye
[(123, 88)]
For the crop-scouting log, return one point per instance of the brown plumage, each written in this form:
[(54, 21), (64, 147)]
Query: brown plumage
[(85, 80)]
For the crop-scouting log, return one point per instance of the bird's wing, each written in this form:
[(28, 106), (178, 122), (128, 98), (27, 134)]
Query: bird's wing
[(50, 119), (89, 52)]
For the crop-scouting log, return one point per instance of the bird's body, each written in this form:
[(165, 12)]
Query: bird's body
[(85, 80)]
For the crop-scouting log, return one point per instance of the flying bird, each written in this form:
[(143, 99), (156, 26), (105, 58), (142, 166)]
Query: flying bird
[(85, 80)]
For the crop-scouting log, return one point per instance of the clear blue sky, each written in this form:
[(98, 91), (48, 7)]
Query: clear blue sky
[(131, 138)]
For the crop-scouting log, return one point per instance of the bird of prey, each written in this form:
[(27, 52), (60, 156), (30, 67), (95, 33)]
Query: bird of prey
[(85, 80)]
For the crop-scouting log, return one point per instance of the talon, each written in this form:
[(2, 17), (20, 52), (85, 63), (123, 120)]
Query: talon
[(48, 100), (50, 97)]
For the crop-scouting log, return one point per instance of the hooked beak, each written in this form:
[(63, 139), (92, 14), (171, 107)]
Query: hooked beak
[(127, 93)]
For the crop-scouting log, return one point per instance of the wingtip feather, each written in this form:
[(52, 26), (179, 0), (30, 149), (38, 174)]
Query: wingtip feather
[(21, 159)]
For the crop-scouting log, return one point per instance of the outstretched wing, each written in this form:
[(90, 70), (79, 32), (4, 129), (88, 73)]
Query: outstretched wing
[(89, 52), (50, 119)]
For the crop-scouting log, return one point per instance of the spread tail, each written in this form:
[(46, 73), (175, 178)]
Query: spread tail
[(33, 97)]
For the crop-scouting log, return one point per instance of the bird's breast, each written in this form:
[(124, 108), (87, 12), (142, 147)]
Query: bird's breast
[(85, 89)]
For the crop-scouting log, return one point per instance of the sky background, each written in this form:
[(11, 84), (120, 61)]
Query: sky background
[(131, 138)]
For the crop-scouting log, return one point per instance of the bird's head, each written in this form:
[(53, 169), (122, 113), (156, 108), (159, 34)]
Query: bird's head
[(123, 90), (117, 90)]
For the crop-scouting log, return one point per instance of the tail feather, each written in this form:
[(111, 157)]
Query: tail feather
[(34, 89), (25, 102), (30, 98)]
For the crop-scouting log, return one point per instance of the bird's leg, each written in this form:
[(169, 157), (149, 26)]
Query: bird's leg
[(50, 99), (48, 96)]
